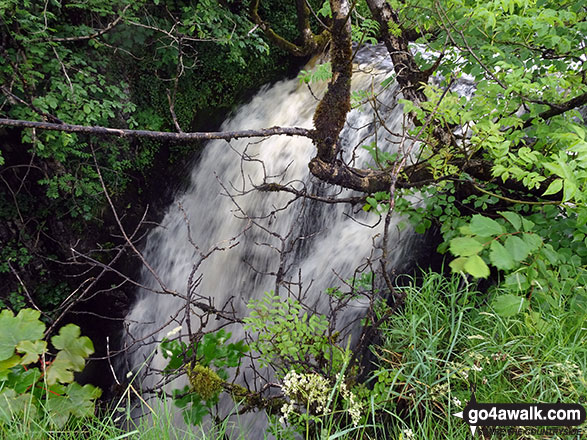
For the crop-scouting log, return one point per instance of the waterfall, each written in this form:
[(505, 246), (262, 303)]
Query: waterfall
[(336, 238)]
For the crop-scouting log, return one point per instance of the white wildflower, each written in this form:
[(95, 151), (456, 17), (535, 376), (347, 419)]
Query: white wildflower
[(355, 408), (408, 434), (307, 389), (173, 332)]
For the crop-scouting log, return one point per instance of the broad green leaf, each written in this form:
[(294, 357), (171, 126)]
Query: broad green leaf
[(21, 381), (500, 257), (527, 225), (517, 280), (26, 326), (13, 405), (485, 226), (6, 364), (550, 254), (77, 348), (569, 190), (476, 267), (61, 370), (513, 218), (533, 320), (517, 248), (58, 410), (554, 187), (71, 358), (82, 399), (465, 246), (31, 350), (458, 264), (509, 305), (533, 241)]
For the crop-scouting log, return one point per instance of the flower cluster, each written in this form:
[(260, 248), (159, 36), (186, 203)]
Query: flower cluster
[(355, 407), (312, 391), (407, 434)]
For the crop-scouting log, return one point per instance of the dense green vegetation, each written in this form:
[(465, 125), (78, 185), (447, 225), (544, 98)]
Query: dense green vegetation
[(147, 67), (501, 174), (427, 359)]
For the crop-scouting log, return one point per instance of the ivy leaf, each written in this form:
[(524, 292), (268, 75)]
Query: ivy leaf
[(465, 246), (476, 267), (509, 305), (26, 326), (485, 226)]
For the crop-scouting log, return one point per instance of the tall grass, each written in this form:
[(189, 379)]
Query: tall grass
[(448, 341)]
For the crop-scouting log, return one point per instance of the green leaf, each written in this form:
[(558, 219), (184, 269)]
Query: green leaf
[(555, 187), (513, 218), (509, 305), (82, 399), (6, 364), (31, 350), (533, 320), (569, 190), (71, 358), (458, 264), (26, 326), (61, 370), (517, 248), (532, 241), (500, 257), (551, 255), (13, 404), (465, 246), (527, 225), (485, 226), (476, 267)]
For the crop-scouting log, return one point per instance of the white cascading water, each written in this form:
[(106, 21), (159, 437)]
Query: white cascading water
[(338, 240)]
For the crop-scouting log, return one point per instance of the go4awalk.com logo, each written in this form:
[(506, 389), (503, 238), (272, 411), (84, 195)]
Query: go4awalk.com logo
[(521, 414)]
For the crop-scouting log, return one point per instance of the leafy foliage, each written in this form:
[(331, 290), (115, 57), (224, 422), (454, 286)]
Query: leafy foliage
[(322, 72), (205, 363), (287, 334), (30, 382), (67, 63)]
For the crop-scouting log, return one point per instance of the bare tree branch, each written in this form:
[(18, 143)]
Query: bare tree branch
[(108, 28), (559, 109), (159, 135)]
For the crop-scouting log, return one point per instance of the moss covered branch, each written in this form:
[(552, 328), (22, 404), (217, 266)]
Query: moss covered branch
[(310, 43)]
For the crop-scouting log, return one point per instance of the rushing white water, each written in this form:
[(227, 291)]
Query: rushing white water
[(337, 240)]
